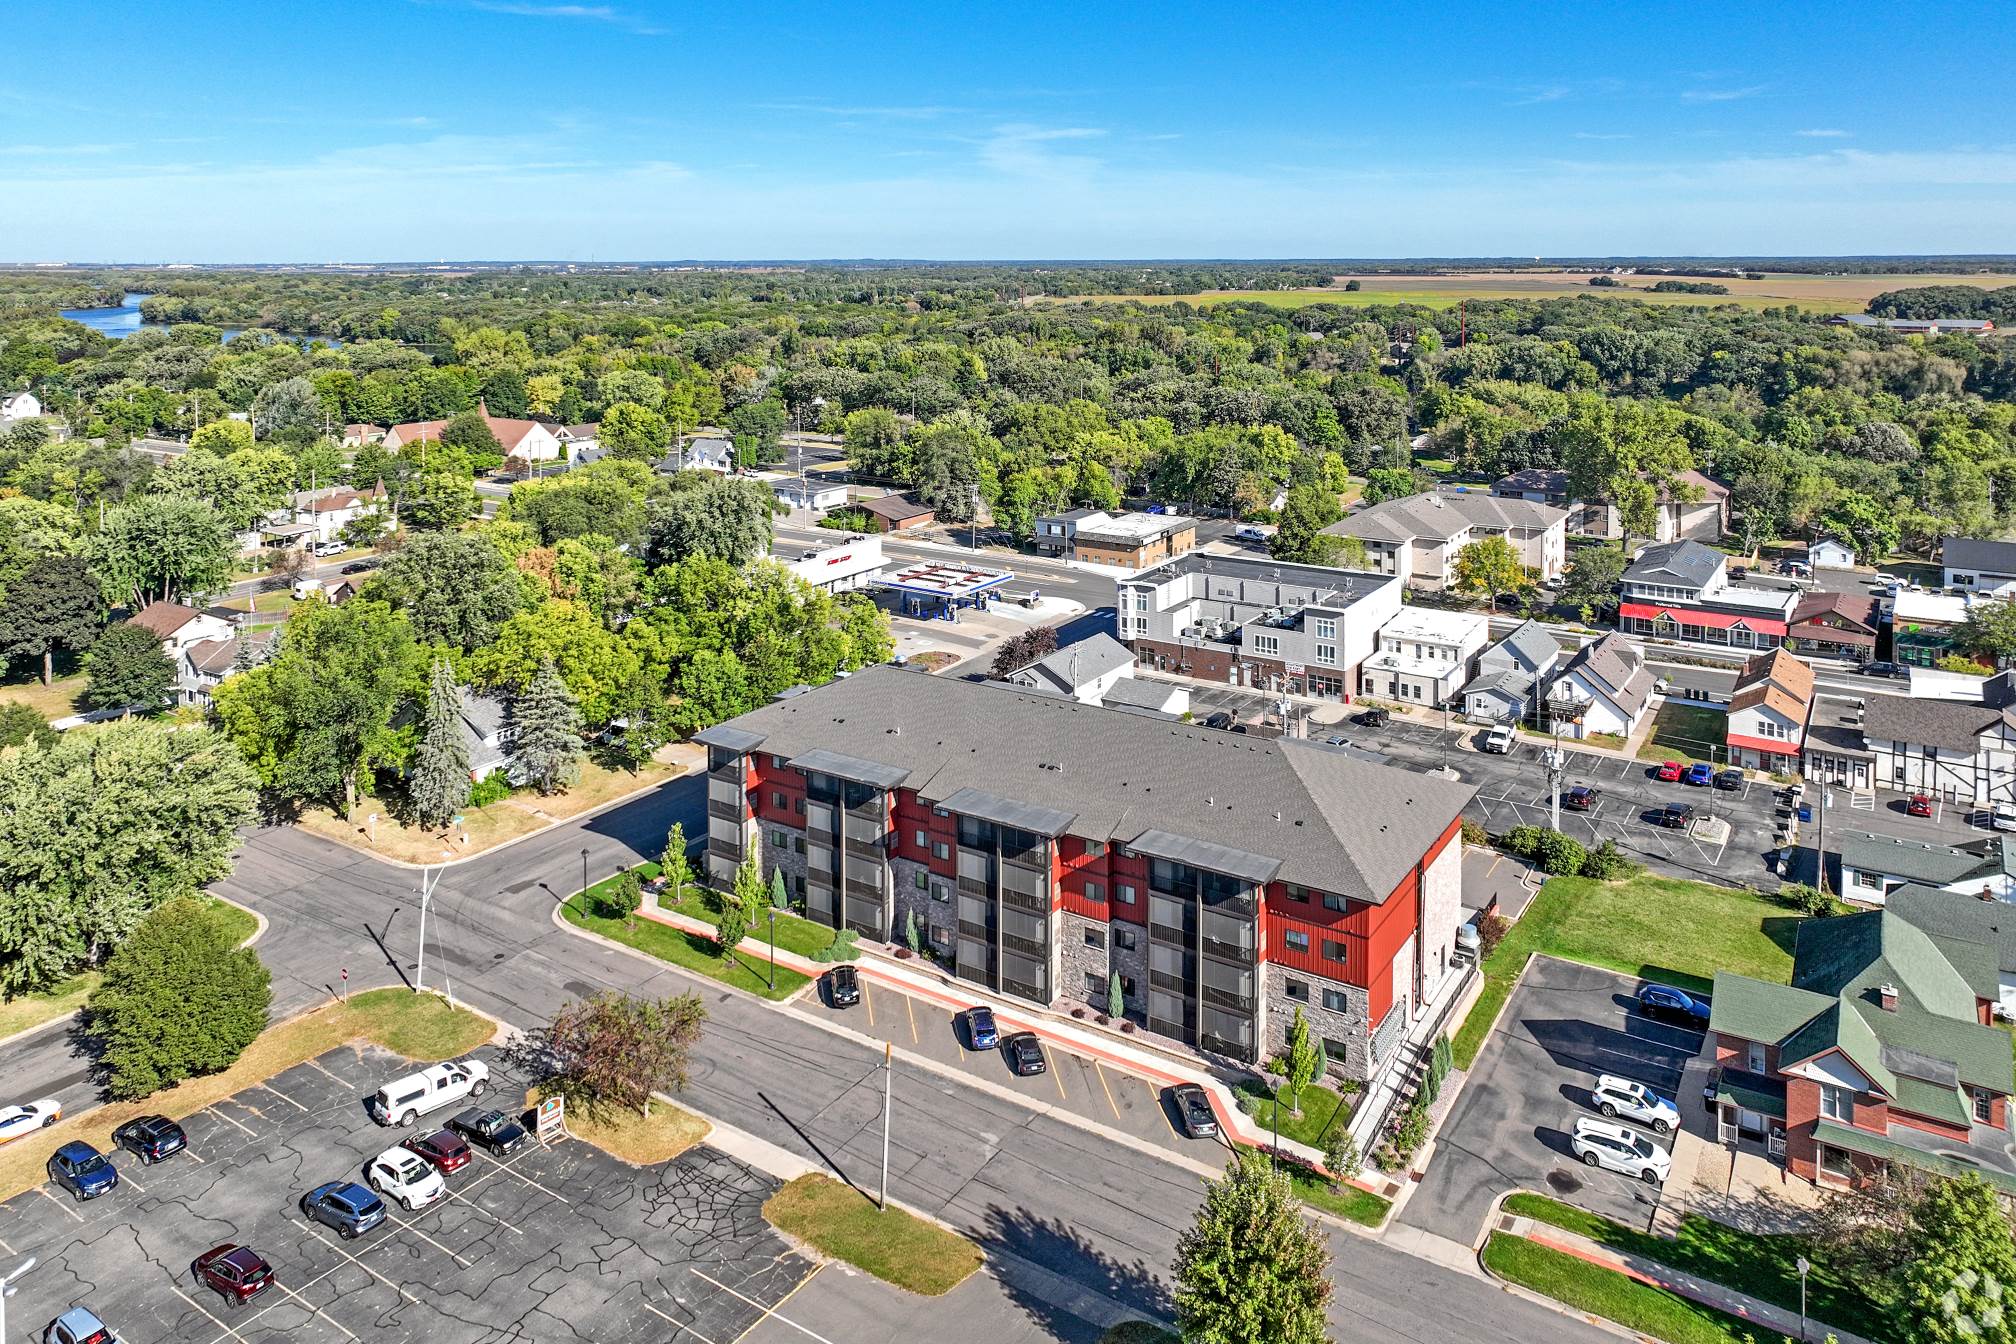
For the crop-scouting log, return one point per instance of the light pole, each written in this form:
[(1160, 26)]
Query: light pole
[(7, 1291), (888, 1096), (773, 947), (1803, 1265), (584, 879), (420, 962)]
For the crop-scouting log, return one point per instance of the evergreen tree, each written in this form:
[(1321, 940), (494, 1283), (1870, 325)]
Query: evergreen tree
[(178, 1001), (1251, 1268), (912, 936), (126, 667), (625, 895), (1116, 997), (779, 896), (438, 786), (547, 731)]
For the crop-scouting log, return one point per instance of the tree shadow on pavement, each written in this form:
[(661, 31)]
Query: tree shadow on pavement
[(1051, 1245)]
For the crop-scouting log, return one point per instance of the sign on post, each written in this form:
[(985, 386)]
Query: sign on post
[(550, 1120)]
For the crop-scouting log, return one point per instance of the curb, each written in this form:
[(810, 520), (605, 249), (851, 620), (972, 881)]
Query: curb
[(560, 922)]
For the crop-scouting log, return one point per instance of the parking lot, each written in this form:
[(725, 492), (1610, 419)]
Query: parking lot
[(555, 1242), (1095, 1090), (1564, 1026)]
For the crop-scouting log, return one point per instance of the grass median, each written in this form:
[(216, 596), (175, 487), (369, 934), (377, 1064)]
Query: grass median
[(639, 1139), (1617, 1297), (417, 1026), (1628, 926), (1343, 1200), (893, 1245), (692, 951)]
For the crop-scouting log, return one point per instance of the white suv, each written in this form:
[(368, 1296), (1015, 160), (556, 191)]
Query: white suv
[(402, 1102), (1499, 741), (406, 1177), (1605, 1143), (1634, 1101)]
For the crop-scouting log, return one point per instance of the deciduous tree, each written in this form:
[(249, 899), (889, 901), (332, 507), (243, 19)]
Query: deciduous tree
[(616, 1050), (1959, 1287), (634, 433), (1491, 565), (1300, 1060), (127, 667), (1252, 1267), (161, 546), (178, 1001), (55, 604), (456, 588), (714, 517)]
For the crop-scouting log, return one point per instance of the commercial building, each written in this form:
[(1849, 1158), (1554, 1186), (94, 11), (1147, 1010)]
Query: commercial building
[(1417, 538), (895, 513), (1880, 1052), (1916, 326), (1874, 866), (1844, 624), (1425, 656), (843, 568), (1767, 716), (1681, 590), (1955, 750), (1123, 540), (1980, 566), (1045, 845), (1922, 625), (1247, 621)]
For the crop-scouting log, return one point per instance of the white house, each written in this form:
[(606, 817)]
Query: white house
[(1767, 717), (1424, 655), (1605, 688), (201, 646), (526, 440), (1513, 675), (810, 493), (1084, 671), (578, 440), (1979, 566), (1419, 537), (1873, 866), (1830, 553), (19, 406), (704, 455), (329, 510)]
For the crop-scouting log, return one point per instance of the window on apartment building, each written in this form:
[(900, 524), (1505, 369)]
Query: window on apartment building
[(780, 763), (940, 850), (1124, 938), (1267, 644), (781, 839), (1326, 654), (1336, 1049), (1095, 891), (1121, 851), (1094, 848), (776, 800), (1323, 627), (1836, 1163), (801, 807), (1124, 893), (1295, 940), (922, 839), (1334, 950), (1336, 1001), (1297, 990), (941, 893), (1294, 891), (923, 880), (1097, 986), (1837, 1103), (940, 936), (1332, 901), (940, 812), (1096, 938)]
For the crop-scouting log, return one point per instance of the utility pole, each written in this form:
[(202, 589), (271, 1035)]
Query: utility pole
[(7, 1291), (973, 526), (1820, 844), (888, 1094), (1557, 765), (420, 962)]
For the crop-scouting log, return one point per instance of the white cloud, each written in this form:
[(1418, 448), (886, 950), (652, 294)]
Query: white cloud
[(1022, 150), (531, 9), (1825, 134), (1601, 135), (1720, 95)]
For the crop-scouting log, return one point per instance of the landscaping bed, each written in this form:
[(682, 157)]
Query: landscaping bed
[(693, 951), (1605, 1292), (893, 1245), (642, 1140), (1322, 1110)]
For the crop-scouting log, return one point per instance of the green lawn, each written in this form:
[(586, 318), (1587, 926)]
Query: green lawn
[(893, 1245), (1345, 1201), (1322, 1110), (1686, 733), (56, 701), (1139, 1332), (1605, 1292), (702, 903), (1631, 927), (690, 950), (1763, 1267)]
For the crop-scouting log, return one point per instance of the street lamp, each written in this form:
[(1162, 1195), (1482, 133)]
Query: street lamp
[(584, 879), (773, 947), (7, 1291), (1803, 1265)]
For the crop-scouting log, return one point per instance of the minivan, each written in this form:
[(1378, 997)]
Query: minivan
[(406, 1100)]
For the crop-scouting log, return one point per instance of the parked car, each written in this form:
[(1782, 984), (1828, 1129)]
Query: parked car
[(79, 1325), (1220, 720), (1249, 533), (1675, 816), (981, 1033), (1670, 771), (1729, 780), (1634, 1101), (444, 1150), (406, 1177), (82, 1170), (2002, 816), (1699, 775), (1919, 806), (235, 1273), (1374, 718), (406, 1100), (345, 1206), (1336, 740), (1499, 740), (493, 1131), (843, 987), (151, 1138), (1025, 1054), (1615, 1147), (325, 549), (1580, 798), (359, 566), (1193, 1109), (1894, 671), (1709, 1087), (18, 1120), (1663, 1003)]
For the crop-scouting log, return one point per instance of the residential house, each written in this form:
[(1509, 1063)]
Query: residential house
[(1830, 553), (1875, 866), (201, 646), (1083, 671), (1980, 566), (1880, 1052), (485, 723), (19, 406), (1045, 846), (1248, 621), (895, 513), (1604, 689), (1768, 711), (357, 435), (1694, 508), (1425, 656), (1844, 624), (1123, 540), (525, 441), (1968, 916), (331, 509), (810, 493), (1959, 751), (579, 441), (1915, 326), (705, 454), (1681, 590), (1513, 675), (1419, 537)]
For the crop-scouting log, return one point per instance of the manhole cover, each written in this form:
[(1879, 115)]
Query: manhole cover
[(1563, 1182)]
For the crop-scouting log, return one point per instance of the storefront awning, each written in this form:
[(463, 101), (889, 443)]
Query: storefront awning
[(1710, 620)]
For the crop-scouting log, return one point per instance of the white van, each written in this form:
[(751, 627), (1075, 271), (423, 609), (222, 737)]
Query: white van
[(406, 1100), (306, 588)]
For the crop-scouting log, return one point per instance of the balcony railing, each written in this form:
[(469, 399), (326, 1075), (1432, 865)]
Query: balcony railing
[(1035, 905), (1175, 984), (1218, 1045), (978, 932), (727, 811), (865, 851), (1225, 998), (1163, 933), (1243, 954), (1028, 947), (973, 886), (1033, 993), (724, 849)]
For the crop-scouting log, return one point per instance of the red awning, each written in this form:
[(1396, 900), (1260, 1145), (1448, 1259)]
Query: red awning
[(1769, 746), (1713, 620)]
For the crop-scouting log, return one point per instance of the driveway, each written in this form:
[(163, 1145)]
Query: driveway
[(1564, 1025)]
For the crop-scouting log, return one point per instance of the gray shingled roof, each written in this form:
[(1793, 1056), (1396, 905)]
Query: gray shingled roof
[(1688, 561), (1076, 664), (1919, 860), (1138, 693), (1538, 480), (1959, 914), (1331, 822), (1996, 557), (1533, 642), (1952, 724), (1443, 515), (1618, 669)]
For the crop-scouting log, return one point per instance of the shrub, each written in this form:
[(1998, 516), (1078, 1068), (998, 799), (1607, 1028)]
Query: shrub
[(1405, 1135), (1474, 833), (492, 788), (840, 949), (1559, 855), (1522, 841), (1607, 863), (622, 898), (1491, 931), (1806, 899), (1340, 1154), (177, 1001)]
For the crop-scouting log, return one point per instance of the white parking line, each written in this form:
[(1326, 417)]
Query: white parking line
[(506, 1166), (125, 1179), (768, 1312), (43, 1190), (324, 1072), (313, 1309), (463, 1195), (677, 1322), (406, 1226), (318, 1234), (229, 1121), (284, 1097), (229, 1333)]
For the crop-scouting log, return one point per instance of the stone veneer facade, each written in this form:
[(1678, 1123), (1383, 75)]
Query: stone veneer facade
[(1348, 1028)]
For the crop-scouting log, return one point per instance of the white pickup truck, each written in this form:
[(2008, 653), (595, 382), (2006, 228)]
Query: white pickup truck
[(407, 1099)]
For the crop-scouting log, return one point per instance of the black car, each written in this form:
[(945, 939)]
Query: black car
[(492, 1131), (1374, 718), (1221, 721), (1663, 1003), (1729, 780), (151, 1138), (1891, 670), (1025, 1054), (1193, 1111), (1580, 798), (843, 987), (1675, 816)]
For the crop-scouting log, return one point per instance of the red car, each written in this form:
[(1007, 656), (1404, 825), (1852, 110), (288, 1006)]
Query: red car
[(444, 1150), (1919, 806), (235, 1273), (1670, 771)]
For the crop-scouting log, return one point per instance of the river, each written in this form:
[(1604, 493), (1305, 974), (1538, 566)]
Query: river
[(121, 322)]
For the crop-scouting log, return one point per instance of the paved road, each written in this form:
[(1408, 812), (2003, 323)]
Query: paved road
[(1062, 1212)]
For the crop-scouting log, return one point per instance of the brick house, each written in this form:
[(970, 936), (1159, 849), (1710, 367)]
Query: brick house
[(1880, 1051)]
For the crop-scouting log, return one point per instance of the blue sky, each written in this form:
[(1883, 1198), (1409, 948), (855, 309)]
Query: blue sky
[(635, 129)]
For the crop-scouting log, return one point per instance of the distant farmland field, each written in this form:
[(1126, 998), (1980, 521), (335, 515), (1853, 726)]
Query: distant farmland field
[(1812, 293)]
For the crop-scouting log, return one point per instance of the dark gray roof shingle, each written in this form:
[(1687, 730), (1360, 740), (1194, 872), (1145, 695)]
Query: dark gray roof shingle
[(1688, 561)]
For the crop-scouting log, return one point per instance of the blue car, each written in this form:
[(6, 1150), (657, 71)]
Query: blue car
[(344, 1205), (981, 1033), (1663, 1003), (1699, 774), (83, 1170)]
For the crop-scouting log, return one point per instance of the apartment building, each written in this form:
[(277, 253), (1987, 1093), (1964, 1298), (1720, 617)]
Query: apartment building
[(1425, 656), (1682, 590), (1249, 621), (1419, 537), (1693, 508), (1044, 845)]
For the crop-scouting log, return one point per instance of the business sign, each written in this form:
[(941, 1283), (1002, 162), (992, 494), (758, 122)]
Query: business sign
[(550, 1122)]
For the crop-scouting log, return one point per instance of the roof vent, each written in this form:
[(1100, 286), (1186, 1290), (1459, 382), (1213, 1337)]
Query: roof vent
[(896, 731), (1277, 816), (1208, 800), (1886, 994)]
